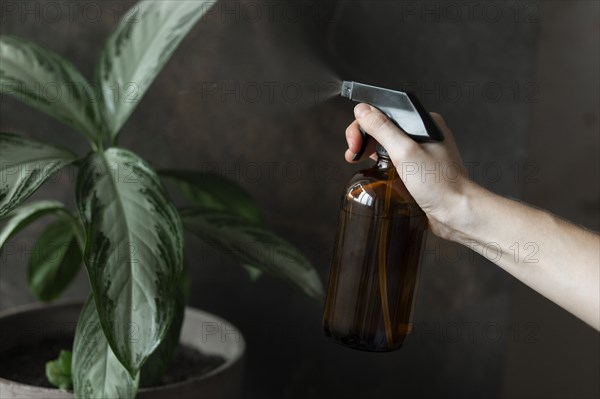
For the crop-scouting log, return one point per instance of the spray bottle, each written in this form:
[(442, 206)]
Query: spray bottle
[(374, 274)]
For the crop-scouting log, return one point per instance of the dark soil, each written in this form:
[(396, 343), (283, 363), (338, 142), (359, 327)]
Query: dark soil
[(27, 364), (188, 363)]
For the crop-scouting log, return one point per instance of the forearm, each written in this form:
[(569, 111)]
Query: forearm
[(554, 257)]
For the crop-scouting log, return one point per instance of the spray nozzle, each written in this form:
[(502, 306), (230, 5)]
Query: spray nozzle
[(403, 109)]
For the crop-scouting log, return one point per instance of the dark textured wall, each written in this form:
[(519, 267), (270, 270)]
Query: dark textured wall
[(564, 143), (475, 64)]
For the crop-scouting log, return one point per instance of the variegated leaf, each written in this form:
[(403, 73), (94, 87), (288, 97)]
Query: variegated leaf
[(96, 371), (48, 82), (26, 214), (25, 165), (137, 50), (133, 251), (158, 363), (253, 245)]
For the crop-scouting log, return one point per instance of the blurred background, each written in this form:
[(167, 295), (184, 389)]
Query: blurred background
[(247, 94)]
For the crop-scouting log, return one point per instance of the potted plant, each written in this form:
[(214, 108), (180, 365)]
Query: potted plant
[(126, 231)]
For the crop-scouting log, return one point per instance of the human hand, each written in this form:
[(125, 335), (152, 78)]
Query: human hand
[(433, 173), (565, 268)]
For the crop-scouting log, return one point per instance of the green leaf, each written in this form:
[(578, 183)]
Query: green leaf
[(253, 272), (58, 371), (26, 214), (253, 245), (159, 362), (210, 190), (213, 191), (97, 373), (48, 82), (55, 260), (137, 50), (26, 164), (133, 250)]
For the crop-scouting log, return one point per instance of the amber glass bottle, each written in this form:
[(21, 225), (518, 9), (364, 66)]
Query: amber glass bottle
[(373, 278)]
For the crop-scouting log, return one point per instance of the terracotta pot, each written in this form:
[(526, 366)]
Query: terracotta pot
[(201, 330)]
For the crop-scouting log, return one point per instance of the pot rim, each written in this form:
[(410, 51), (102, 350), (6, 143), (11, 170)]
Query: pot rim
[(229, 361)]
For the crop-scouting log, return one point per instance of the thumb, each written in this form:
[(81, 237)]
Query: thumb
[(393, 139)]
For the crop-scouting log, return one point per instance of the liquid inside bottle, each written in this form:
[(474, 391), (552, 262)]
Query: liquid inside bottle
[(374, 274)]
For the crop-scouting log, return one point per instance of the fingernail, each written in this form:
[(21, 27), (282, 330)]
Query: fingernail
[(361, 109)]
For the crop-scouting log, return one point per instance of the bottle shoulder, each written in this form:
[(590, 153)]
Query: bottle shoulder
[(376, 190)]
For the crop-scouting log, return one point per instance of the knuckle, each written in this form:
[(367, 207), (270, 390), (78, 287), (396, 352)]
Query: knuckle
[(348, 131), (377, 122), (407, 150)]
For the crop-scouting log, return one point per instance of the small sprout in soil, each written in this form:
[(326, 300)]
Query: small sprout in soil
[(58, 371)]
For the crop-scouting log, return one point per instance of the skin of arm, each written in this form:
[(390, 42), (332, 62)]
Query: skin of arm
[(558, 259)]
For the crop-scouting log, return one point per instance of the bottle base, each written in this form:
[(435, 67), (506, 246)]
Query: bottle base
[(357, 343)]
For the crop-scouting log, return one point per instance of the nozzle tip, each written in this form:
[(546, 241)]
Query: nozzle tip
[(346, 89)]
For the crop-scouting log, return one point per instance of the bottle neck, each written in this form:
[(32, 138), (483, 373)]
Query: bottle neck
[(383, 158), (384, 162)]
